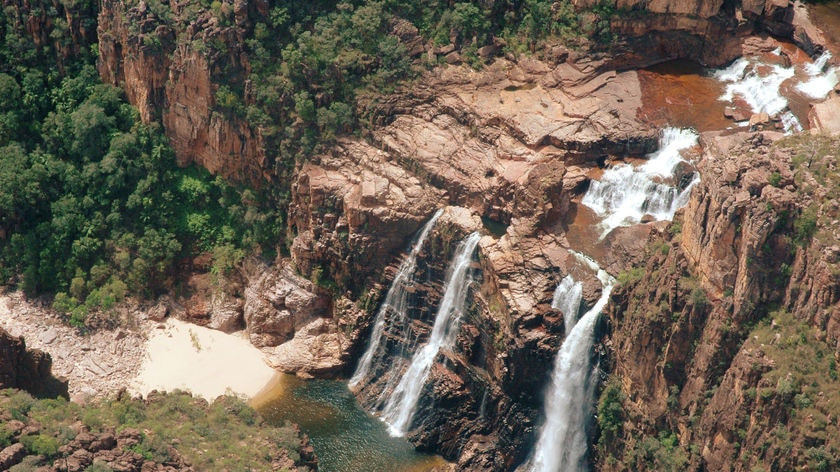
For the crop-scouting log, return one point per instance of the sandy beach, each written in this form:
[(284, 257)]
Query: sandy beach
[(206, 362), (151, 356)]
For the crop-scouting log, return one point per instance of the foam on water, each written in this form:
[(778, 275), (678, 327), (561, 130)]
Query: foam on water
[(822, 79), (625, 194)]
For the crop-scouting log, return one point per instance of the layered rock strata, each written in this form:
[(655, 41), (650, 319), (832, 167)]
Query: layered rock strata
[(513, 144)]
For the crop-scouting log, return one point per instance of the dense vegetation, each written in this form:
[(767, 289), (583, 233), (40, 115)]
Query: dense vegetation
[(224, 435), (317, 66), (92, 205)]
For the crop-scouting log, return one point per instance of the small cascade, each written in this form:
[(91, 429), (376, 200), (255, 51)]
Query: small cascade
[(567, 298), (625, 194), (396, 301), (822, 79), (760, 85), (400, 407), (562, 443)]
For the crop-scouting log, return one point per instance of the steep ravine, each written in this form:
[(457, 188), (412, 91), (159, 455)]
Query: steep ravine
[(719, 348), (508, 150)]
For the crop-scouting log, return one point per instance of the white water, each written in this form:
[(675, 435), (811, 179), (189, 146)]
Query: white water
[(396, 301), (625, 194), (760, 86), (567, 298), (563, 442), (821, 80), (400, 408)]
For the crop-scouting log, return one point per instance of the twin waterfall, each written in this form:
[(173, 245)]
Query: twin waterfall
[(405, 384), (626, 194), (396, 302), (403, 401)]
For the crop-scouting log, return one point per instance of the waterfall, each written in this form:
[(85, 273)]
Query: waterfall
[(567, 298), (396, 301), (400, 407), (563, 442), (821, 80), (626, 193), (760, 85)]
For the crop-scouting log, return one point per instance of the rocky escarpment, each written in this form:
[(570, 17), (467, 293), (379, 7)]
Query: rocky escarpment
[(170, 74), (60, 30), (709, 32), (511, 144), (498, 142), (720, 348), (27, 369)]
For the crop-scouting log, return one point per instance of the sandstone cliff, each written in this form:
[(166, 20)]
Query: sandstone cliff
[(27, 369), (60, 30), (170, 62), (721, 348), (511, 145)]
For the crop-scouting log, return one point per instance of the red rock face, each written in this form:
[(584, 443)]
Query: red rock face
[(514, 143), (27, 369), (39, 20), (169, 78)]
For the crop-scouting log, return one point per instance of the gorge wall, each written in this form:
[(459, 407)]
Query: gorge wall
[(723, 348), (508, 150), (27, 369)]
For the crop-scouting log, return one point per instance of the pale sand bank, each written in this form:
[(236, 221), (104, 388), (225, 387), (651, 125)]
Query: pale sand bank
[(206, 362)]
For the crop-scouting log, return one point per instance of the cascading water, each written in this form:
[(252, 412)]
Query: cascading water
[(562, 443), (760, 85), (822, 79), (396, 302), (567, 298), (400, 408), (626, 193)]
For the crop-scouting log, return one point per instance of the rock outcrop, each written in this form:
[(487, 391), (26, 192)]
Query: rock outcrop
[(720, 343), (172, 76), (26, 369), (61, 30)]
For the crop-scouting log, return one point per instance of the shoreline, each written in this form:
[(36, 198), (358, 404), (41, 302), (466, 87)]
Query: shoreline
[(151, 356)]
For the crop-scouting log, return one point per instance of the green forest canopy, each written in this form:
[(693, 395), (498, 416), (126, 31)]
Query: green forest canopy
[(92, 205)]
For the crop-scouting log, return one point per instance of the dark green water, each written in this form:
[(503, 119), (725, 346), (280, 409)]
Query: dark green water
[(345, 437)]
